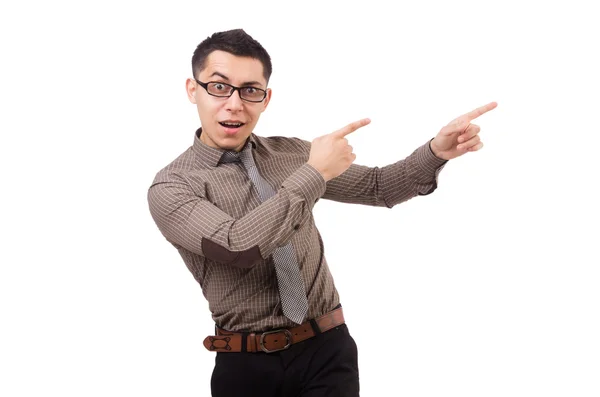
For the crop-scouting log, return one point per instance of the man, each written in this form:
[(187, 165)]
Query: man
[(238, 207)]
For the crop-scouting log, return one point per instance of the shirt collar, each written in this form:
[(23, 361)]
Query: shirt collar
[(212, 156)]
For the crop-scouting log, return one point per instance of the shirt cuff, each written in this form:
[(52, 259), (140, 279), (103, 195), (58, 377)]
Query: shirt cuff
[(309, 182), (427, 161)]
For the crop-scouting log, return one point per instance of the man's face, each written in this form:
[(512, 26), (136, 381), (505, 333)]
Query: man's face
[(218, 114)]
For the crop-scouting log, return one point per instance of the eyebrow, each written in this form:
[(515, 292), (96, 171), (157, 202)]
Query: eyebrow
[(221, 75)]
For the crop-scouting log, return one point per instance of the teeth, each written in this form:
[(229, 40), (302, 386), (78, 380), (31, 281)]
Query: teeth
[(232, 124)]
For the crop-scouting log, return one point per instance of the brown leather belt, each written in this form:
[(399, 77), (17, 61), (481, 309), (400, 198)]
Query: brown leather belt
[(275, 340)]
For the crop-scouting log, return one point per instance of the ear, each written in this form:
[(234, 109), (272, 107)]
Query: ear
[(190, 88), (267, 99)]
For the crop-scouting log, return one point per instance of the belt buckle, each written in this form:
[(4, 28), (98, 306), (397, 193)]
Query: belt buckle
[(288, 337)]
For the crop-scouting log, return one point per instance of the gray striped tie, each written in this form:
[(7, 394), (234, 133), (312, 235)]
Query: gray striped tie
[(291, 287)]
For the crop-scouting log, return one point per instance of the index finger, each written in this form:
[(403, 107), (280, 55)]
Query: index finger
[(479, 111), (352, 127)]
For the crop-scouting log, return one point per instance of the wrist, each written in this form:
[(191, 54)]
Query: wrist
[(434, 149), (319, 171)]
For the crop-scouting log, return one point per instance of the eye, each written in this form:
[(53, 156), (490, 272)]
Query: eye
[(220, 87), (253, 94)]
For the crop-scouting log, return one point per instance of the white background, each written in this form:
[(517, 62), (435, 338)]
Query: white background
[(488, 287)]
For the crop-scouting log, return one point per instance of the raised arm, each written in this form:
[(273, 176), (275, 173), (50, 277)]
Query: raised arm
[(385, 186), (415, 175)]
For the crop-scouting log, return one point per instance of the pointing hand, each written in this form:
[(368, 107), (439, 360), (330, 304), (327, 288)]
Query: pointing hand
[(331, 154), (460, 136)]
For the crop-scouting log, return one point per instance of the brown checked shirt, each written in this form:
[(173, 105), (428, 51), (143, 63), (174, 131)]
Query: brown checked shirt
[(210, 212)]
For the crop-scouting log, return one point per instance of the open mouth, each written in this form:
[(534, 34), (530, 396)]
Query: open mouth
[(231, 125)]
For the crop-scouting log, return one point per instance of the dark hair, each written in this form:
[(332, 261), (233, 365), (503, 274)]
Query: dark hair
[(236, 42)]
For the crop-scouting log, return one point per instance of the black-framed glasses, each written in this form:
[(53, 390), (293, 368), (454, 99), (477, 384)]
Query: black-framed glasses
[(223, 90)]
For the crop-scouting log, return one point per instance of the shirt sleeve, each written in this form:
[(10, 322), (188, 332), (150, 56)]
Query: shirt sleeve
[(415, 175), (192, 222)]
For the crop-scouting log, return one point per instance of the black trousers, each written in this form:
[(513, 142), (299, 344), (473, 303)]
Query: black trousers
[(325, 365)]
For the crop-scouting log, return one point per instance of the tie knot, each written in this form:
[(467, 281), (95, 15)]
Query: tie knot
[(245, 156), (230, 157)]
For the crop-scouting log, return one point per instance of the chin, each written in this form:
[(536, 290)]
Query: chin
[(231, 143)]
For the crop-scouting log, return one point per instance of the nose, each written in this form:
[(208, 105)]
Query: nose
[(234, 102)]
